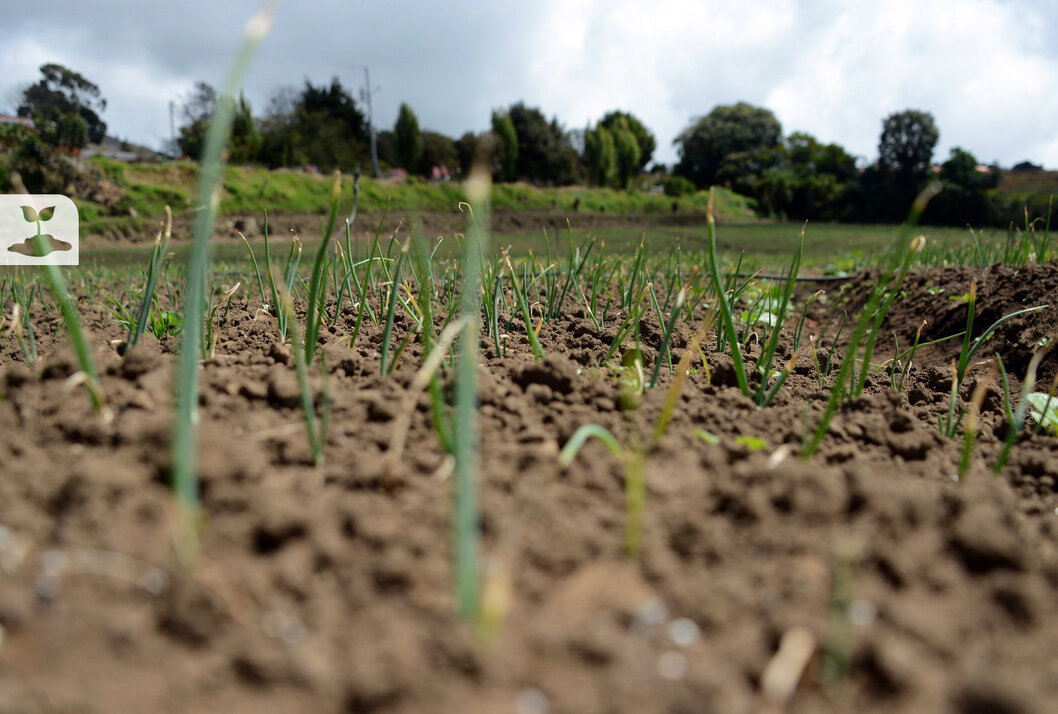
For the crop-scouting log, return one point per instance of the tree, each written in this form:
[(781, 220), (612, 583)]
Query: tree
[(408, 139), (545, 155), (809, 157), (245, 142), (601, 155), (507, 139), (644, 137), (819, 176), (628, 154), (317, 125), (907, 143), (467, 150), (725, 130), (68, 103), (437, 150), (963, 198), (386, 146), (198, 110)]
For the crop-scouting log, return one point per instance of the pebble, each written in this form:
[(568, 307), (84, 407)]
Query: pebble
[(684, 632), (532, 701), (672, 665), (862, 613), (654, 613)]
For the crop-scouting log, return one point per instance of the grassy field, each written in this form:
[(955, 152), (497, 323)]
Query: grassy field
[(145, 190), (828, 247)]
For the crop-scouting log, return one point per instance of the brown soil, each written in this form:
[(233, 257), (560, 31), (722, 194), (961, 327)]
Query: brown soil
[(330, 590)]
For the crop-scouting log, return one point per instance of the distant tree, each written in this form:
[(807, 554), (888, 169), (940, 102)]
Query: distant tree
[(961, 170), (743, 170), (644, 137), (819, 177), (628, 154), (810, 157), (600, 156), (407, 139), (386, 145), (198, 110), (1026, 166), (466, 152), (963, 198), (726, 130), (438, 150), (507, 140), (245, 142), (886, 190), (545, 155), (317, 125), (62, 92), (23, 152), (907, 143)]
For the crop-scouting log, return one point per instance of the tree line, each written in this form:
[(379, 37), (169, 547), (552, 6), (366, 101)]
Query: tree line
[(740, 146)]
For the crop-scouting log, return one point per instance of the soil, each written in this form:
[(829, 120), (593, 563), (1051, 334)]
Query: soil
[(869, 578)]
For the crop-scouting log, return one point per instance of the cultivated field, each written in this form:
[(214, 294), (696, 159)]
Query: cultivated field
[(612, 471)]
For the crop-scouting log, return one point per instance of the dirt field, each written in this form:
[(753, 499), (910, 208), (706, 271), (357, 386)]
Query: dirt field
[(330, 590)]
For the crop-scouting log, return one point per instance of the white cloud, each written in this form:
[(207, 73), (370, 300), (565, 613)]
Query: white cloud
[(986, 69)]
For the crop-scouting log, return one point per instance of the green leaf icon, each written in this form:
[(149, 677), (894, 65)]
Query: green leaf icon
[(46, 213), (30, 214)]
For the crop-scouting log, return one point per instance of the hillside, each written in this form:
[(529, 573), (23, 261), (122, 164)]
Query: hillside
[(123, 201)]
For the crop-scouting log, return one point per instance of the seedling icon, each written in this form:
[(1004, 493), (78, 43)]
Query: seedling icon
[(41, 244)]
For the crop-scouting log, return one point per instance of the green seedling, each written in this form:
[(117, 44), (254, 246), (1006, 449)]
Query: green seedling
[(838, 643), (185, 482), (362, 298), (90, 378), (1019, 415), (22, 327), (722, 301), (467, 533), (318, 281), (634, 457), (973, 419), (869, 323), (209, 343), (161, 245), (391, 311), (523, 306), (752, 443), (315, 428), (663, 351), (949, 426), (1044, 409), (707, 436)]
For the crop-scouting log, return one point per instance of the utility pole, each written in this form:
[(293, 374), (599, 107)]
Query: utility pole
[(365, 96), (172, 123)]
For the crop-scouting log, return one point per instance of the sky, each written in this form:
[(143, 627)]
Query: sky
[(986, 69)]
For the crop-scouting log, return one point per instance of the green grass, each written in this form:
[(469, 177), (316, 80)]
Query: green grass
[(147, 188)]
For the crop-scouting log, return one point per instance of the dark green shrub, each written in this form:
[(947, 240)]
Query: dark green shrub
[(677, 186)]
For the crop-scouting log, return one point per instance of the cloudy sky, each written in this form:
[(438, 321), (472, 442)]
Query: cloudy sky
[(986, 69)]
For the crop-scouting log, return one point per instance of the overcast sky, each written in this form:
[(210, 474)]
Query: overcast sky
[(986, 69)]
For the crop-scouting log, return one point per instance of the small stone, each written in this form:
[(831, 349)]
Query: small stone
[(672, 665), (684, 632)]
